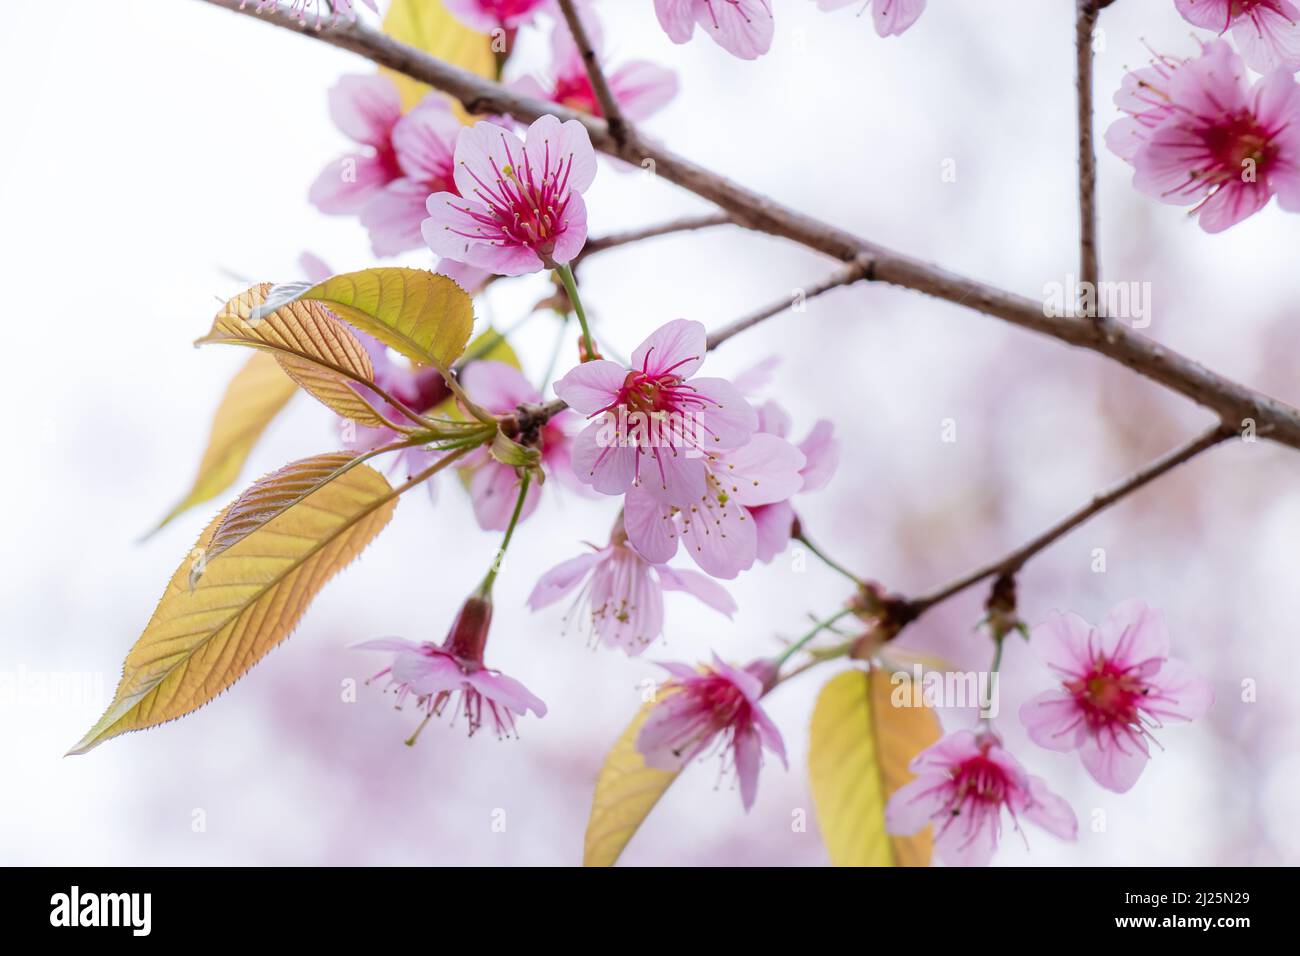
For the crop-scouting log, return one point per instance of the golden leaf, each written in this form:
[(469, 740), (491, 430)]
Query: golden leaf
[(426, 25), (626, 791), (252, 399), (201, 640), (860, 747)]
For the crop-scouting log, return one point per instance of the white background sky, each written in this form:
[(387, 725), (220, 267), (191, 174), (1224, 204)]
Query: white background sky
[(152, 147)]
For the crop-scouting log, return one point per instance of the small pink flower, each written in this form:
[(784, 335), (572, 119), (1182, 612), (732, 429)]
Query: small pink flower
[(1267, 31), (716, 707), (365, 108), (891, 17), (494, 485), (640, 88), (774, 522), (1198, 134), (621, 599), (424, 142), (488, 15), (743, 28), (433, 673), (522, 207), (964, 781), (1117, 683), (654, 424)]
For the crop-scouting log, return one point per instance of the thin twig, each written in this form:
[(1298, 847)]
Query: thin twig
[(1089, 272), (1015, 560), (618, 126), (616, 239), (1232, 402)]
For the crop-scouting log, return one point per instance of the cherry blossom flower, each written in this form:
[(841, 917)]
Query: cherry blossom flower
[(1117, 683), (365, 109), (1198, 134), (714, 707), (620, 602), (1267, 31), (488, 15), (774, 522), (424, 143), (964, 781), (654, 423), (522, 207), (639, 87), (743, 28), (494, 485), (432, 673), (891, 17)]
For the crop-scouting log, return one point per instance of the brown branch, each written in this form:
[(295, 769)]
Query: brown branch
[(616, 239), (619, 128), (1011, 563), (1230, 401), (1089, 271)]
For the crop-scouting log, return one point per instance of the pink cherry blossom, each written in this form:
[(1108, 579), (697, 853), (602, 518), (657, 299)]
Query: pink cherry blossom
[(964, 781), (714, 707), (741, 27), (488, 15), (365, 109), (620, 602), (774, 522), (519, 206), (1198, 134), (424, 142), (1267, 31), (640, 88), (432, 673), (654, 424), (1117, 684), (891, 17), (493, 485)]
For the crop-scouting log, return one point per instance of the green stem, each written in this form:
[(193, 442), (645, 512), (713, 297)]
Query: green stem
[(827, 560), (571, 288), (821, 626), (485, 589)]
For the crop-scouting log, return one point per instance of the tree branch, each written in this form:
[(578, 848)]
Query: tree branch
[(1011, 563), (618, 126), (1088, 267), (616, 239), (1230, 401)]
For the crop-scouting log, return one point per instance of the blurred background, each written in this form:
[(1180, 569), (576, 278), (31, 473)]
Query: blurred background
[(157, 150)]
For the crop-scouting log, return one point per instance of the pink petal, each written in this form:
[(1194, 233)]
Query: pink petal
[(749, 760), (425, 139), (700, 586), (743, 28), (365, 108), (773, 523), (916, 803), (763, 471), (1178, 692), (393, 217), (348, 183), (498, 387), (494, 490), (650, 527), (893, 17), (822, 453), (726, 419), (561, 579), (1061, 642), (1053, 720), (1050, 811), (642, 89), (1114, 760), (591, 386), (679, 345), (507, 691), (720, 538), (1133, 634)]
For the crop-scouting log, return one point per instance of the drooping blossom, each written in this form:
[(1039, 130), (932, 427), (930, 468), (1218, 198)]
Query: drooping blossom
[(424, 143), (891, 17), (1199, 134), (331, 11), (743, 28), (365, 109), (654, 424), (433, 673), (714, 709), (488, 15), (518, 206), (1267, 31), (494, 485), (774, 522), (640, 88), (621, 599), (1118, 683), (718, 528), (964, 783)]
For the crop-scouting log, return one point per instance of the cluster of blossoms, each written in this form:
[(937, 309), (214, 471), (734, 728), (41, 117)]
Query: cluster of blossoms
[(702, 464)]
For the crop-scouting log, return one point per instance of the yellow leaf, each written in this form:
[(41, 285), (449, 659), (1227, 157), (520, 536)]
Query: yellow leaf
[(860, 747), (254, 396), (626, 792), (426, 25), (425, 316), (201, 640)]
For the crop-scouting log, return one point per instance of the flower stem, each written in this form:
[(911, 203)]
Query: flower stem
[(571, 289), (820, 626), (826, 559), (485, 589)]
